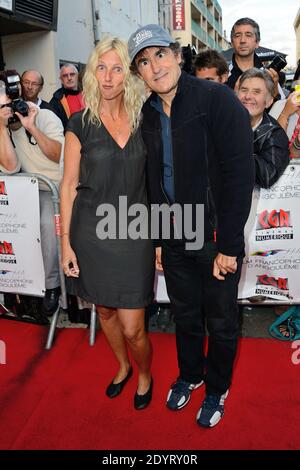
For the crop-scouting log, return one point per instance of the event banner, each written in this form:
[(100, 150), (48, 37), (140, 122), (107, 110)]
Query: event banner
[(272, 237), (21, 262)]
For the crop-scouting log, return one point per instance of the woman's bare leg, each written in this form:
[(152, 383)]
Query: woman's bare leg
[(133, 325), (111, 327)]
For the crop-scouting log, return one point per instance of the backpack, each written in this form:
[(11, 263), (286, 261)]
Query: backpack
[(290, 323)]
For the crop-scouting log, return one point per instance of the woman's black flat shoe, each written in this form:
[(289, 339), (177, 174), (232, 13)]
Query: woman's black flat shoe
[(142, 401), (113, 390)]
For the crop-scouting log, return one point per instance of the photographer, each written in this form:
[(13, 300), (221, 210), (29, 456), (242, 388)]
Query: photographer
[(32, 142)]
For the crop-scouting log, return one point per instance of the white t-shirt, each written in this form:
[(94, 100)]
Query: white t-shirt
[(30, 157)]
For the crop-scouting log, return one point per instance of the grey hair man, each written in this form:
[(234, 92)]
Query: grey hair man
[(68, 99), (271, 145)]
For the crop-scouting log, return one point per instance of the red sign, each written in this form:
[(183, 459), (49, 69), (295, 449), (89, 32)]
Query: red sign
[(178, 15)]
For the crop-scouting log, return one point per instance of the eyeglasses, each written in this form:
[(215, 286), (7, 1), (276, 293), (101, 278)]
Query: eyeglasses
[(34, 84), (66, 75)]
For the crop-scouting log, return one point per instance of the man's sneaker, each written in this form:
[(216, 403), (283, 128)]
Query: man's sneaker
[(212, 410), (180, 394)]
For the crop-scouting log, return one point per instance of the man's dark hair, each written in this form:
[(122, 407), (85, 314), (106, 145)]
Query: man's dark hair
[(246, 21), (209, 59), (174, 46), (41, 76)]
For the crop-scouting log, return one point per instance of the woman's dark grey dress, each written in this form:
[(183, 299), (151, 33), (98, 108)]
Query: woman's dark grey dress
[(113, 272)]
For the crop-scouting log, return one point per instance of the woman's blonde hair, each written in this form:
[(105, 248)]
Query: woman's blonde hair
[(134, 90)]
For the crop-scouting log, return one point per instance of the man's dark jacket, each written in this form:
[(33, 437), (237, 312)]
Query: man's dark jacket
[(56, 103), (45, 105), (271, 151), (213, 161), (236, 72)]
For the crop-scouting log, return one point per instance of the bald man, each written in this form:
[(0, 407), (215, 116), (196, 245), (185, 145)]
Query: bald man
[(32, 83)]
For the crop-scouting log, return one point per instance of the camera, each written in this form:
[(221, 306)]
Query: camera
[(12, 90), (278, 63), (188, 55)]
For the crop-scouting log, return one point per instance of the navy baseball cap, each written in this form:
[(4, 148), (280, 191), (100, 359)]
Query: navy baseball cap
[(147, 36)]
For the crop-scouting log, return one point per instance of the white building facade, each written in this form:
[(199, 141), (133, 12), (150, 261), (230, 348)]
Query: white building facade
[(79, 25)]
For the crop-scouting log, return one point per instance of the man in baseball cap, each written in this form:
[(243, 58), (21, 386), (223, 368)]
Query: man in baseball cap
[(199, 153), (147, 36)]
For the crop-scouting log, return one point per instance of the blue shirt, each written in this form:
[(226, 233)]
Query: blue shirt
[(168, 173)]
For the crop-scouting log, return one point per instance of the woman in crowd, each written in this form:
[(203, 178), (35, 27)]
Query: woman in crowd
[(104, 162)]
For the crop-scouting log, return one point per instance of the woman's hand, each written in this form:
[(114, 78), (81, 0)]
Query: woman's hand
[(69, 261)]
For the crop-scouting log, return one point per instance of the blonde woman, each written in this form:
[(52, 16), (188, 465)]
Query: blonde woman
[(105, 160)]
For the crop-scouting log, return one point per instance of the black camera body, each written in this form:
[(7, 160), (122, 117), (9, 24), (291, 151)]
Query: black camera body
[(13, 92), (278, 63)]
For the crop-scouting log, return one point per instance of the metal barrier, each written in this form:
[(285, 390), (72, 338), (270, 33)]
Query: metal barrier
[(55, 201)]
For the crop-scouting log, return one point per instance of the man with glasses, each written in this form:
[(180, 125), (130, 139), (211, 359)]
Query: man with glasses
[(34, 144), (32, 83), (67, 99)]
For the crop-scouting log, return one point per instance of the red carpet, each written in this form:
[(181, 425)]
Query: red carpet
[(55, 399)]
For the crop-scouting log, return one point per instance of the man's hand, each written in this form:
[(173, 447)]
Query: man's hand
[(158, 263), (292, 104), (5, 114), (28, 122), (224, 264), (275, 77)]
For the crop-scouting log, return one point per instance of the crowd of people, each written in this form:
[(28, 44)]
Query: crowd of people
[(144, 129)]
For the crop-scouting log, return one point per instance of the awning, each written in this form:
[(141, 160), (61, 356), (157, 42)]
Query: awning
[(263, 53)]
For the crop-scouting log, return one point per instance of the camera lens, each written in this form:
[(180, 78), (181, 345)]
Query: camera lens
[(21, 107)]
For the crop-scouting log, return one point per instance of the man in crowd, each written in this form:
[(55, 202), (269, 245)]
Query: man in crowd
[(34, 144), (32, 83), (211, 65), (67, 99), (199, 145), (245, 38), (271, 145)]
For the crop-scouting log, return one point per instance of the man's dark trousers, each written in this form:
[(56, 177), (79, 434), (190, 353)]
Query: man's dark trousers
[(195, 295)]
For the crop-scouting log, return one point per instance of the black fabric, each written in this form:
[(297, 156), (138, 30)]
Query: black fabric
[(271, 152), (57, 107), (113, 272), (45, 105), (25, 308), (236, 72), (197, 297), (212, 143)]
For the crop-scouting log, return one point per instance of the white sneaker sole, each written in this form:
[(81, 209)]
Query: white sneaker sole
[(186, 402)]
